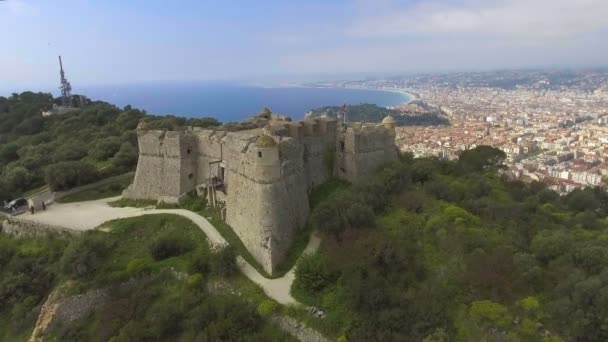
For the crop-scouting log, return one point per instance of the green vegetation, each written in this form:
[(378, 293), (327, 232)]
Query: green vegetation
[(112, 189), (453, 251), (373, 113), (28, 272), (94, 142), (127, 202), (157, 269), (215, 218)]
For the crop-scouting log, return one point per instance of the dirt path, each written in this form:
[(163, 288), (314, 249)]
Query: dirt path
[(91, 214)]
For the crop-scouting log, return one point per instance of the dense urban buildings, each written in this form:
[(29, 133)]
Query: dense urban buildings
[(553, 125)]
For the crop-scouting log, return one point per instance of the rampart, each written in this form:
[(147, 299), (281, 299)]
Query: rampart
[(261, 175)]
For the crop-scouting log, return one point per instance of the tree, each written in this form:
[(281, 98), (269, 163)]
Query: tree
[(481, 158), (313, 273), (8, 153), (105, 148), (487, 311), (66, 175), (17, 178), (70, 151), (126, 157)]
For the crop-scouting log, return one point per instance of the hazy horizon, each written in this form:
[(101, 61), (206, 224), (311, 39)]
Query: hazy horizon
[(272, 41)]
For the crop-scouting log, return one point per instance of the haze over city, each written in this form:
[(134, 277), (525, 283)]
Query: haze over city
[(110, 42)]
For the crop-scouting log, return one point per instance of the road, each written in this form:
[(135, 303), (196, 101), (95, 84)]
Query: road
[(91, 214)]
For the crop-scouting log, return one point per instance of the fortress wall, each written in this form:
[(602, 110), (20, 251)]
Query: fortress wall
[(267, 200), (147, 182), (209, 145), (315, 151), (267, 216), (365, 149), (164, 166)]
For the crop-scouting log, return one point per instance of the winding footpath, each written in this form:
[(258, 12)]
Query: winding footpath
[(91, 214)]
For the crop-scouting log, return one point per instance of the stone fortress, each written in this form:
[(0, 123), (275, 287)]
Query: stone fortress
[(261, 174)]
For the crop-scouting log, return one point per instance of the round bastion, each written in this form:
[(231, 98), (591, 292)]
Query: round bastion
[(389, 122), (265, 141)]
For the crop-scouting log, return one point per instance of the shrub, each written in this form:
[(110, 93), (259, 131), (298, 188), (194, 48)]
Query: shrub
[(84, 256), (266, 308), (486, 310), (66, 175), (529, 304), (169, 246), (313, 273), (200, 261), (195, 281), (138, 267), (223, 262)]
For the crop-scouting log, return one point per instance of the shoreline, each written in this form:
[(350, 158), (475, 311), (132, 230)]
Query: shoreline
[(404, 92)]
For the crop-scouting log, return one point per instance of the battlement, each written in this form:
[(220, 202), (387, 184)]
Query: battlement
[(262, 172)]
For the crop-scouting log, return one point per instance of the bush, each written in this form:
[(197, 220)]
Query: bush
[(105, 148), (126, 157), (169, 246), (200, 261), (266, 308), (491, 312), (313, 273), (66, 175), (223, 262), (138, 268), (83, 257), (195, 281)]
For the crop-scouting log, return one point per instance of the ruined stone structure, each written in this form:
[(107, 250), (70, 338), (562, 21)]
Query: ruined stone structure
[(262, 176)]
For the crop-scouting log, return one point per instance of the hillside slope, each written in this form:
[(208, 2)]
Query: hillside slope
[(453, 251)]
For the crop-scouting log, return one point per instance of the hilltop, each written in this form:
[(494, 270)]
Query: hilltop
[(94, 141)]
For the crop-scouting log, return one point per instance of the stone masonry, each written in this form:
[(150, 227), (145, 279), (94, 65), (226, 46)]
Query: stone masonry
[(262, 174)]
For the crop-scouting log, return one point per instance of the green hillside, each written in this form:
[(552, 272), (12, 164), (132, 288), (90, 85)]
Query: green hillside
[(93, 142), (157, 271), (452, 251)]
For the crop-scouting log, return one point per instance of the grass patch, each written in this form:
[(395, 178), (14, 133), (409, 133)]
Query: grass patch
[(127, 202), (199, 206), (321, 192), (104, 191), (319, 324), (7, 334), (137, 238)]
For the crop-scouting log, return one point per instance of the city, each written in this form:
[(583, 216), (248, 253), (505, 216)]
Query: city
[(552, 125)]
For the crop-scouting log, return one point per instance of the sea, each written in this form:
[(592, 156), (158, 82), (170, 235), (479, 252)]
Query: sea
[(229, 102)]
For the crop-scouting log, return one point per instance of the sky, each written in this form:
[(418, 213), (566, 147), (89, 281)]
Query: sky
[(118, 41)]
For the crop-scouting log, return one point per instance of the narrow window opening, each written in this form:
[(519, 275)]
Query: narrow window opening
[(190, 176), (188, 151), (259, 154), (341, 145)]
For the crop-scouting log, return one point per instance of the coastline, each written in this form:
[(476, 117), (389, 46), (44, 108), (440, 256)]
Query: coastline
[(411, 96), (159, 99)]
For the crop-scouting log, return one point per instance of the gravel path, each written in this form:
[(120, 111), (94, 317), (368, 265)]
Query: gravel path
[(91, 214)]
